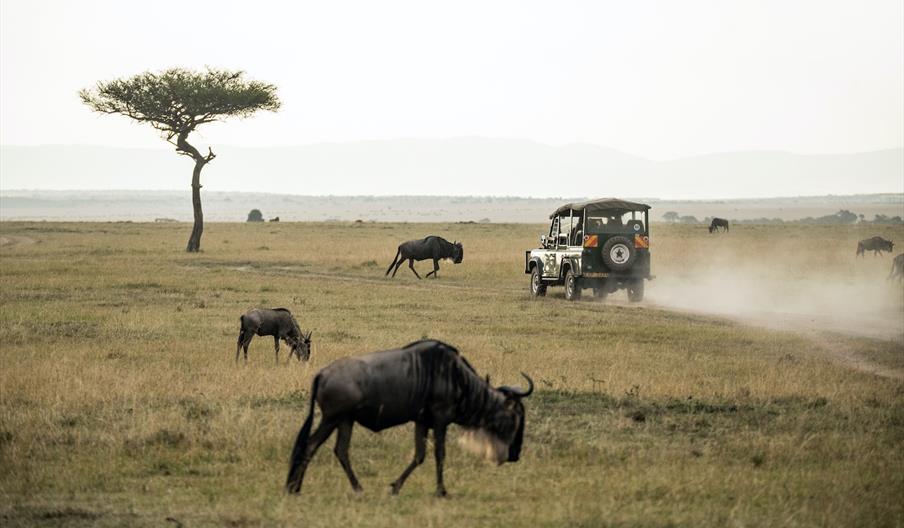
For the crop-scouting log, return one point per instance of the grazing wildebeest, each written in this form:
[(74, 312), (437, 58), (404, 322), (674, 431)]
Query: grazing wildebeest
[(875, 244), (897, 268), (432, 247), (717, 223), (276, 322), (275, 219), (426, 382)]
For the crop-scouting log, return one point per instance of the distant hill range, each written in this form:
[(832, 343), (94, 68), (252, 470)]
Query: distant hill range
[(456, 167)]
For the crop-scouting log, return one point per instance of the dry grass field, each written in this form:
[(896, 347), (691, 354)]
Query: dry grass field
[(760, 384)]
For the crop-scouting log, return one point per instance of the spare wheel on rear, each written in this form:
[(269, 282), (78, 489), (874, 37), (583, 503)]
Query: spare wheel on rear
[(619, 253)]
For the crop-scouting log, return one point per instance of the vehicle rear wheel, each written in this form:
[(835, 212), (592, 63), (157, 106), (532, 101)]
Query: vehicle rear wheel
[(618, 253), (572, 286), (537, 288), (635, 290)]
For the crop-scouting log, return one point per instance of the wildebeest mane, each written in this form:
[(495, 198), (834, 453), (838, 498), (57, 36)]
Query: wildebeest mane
[(294, 320), (473, 398)]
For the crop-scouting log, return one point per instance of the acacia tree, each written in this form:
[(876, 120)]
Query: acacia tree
[(176, 102)]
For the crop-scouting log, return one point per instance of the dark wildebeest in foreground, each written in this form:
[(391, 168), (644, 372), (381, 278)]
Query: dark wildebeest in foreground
[(426, 382), (875, 244), (717, 223), (276, 322), (432, 247), (897, 268)]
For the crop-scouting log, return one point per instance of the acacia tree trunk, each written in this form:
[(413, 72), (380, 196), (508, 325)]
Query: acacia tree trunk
[(183, 147), (194, 241)]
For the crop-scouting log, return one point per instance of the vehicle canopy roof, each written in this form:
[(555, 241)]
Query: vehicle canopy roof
[(600, 205)]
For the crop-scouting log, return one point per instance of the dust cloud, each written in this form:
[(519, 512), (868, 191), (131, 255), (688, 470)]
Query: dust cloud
[(852, 297)]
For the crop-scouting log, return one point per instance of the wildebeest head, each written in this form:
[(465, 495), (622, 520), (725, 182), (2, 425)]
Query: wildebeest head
[(458, 252), (301, 346), (711, 227), (503, 432)]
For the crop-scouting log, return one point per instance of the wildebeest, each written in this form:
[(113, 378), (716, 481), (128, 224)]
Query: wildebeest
[(276, 322), (897, 268), (276, 219), (432, 247), (426, 382), (875, 244), (717, 223)]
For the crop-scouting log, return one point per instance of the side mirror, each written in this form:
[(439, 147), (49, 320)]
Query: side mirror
[(543, 240)]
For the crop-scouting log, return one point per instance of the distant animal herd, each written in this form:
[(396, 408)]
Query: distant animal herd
[(875, 244), (427, 382)]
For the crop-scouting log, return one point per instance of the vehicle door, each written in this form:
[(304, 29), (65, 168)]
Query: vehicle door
[(564, 243), (551, 258)]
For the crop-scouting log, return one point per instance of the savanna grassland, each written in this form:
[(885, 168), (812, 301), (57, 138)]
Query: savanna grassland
[(121, 402)]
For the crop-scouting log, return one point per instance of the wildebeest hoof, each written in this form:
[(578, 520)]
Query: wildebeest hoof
[(441, 493), (394, 488)]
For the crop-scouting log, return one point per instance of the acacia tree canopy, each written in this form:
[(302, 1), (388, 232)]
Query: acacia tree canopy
[(175, 102)]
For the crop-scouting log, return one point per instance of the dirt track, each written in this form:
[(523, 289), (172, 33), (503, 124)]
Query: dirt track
[(820, 330), (11, 241)]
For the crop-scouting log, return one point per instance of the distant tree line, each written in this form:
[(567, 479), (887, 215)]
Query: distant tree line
[(842, 217)]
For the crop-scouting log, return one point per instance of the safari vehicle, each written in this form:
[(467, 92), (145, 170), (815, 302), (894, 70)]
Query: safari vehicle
[(601, 244)]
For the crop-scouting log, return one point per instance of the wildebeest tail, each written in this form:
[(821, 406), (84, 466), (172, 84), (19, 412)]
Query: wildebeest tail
[(293, 484), (398, 252)]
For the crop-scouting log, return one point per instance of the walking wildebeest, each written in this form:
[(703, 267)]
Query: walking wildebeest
[(426, 382), (875, 244), (276, 322), (432, 247), (897, 268), (717, 223)]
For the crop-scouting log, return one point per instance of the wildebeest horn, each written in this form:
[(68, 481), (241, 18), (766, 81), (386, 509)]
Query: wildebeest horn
[(515, 391), (530, 386)]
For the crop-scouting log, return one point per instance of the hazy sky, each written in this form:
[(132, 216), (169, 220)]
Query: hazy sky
[(657, 79)]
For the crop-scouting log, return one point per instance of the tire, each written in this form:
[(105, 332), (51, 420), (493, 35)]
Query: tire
[(537, 288), (619, 253), (572, 286), (635, 290)]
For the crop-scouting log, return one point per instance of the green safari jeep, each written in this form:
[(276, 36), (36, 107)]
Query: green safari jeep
[(601, 244)]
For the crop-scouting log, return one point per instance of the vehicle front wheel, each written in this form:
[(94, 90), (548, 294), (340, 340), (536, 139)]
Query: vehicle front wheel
[(572, 287), (635, 291), (537, 288)]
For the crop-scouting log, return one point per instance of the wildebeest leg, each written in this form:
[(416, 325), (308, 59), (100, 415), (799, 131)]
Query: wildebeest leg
[(411, 265), (319, 437), (247, 341), (420, 450), (397, 266), (276, 345), (343, 439), (238, 345), (435, 269), (439, 450)]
